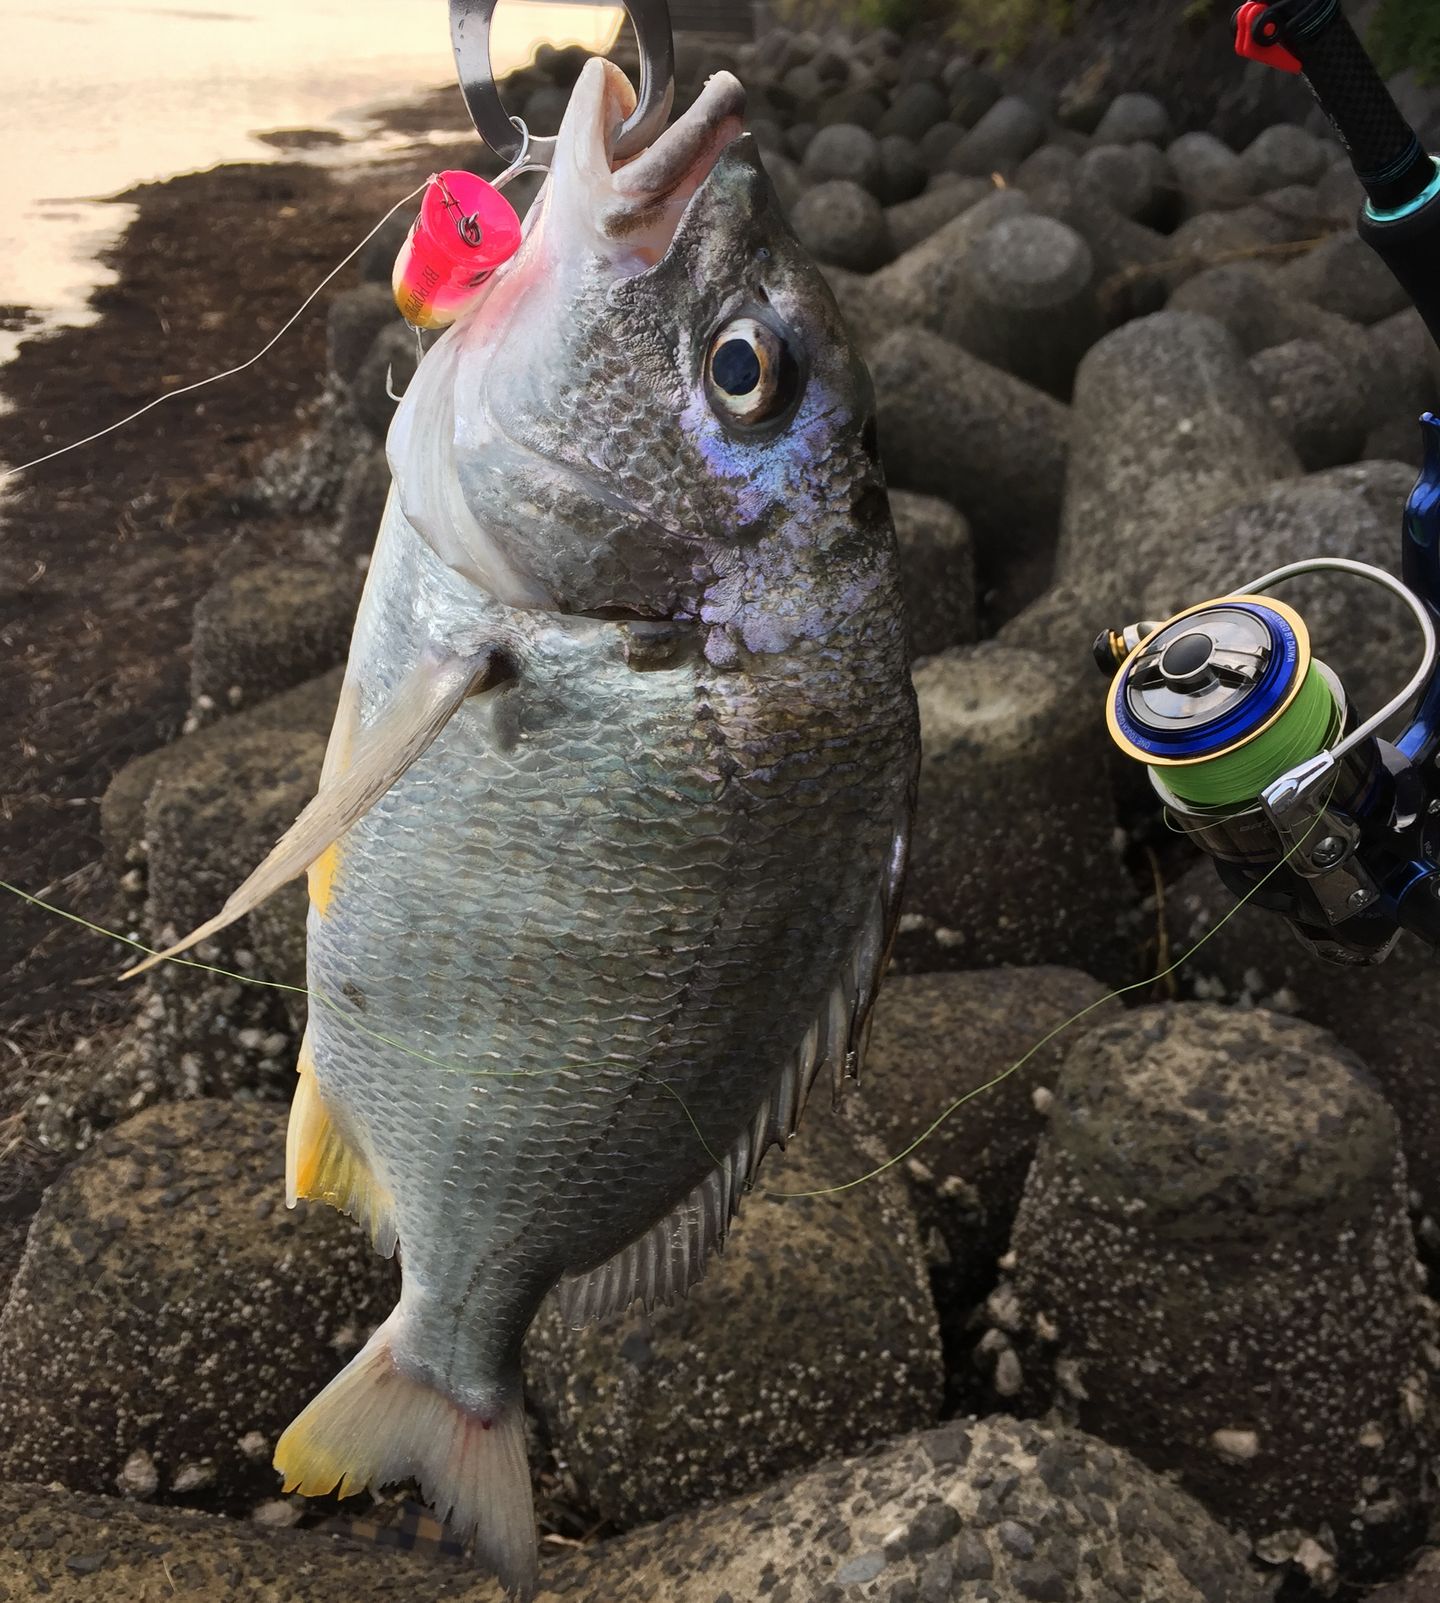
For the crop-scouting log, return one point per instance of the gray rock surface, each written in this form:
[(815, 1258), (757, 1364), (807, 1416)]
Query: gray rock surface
[(1027, 301), (386, 371), (73, 1548), (815, 1328), (1247, 300), (308, 709), (376, 261), (169, 1305), (303, 477), (215, 808), (973, 90), (1369, 641), (1169, 425), (1132, 118), (1283, 154), (981, 1508), (27, 1167), (910, 221), (798, 136), (916, 108), (937, 571), (1131, 260), (1043, 1513), (1420, 1584), (789, 181), (902, 174), (953, 426), (361, 506), (353, 320), (1001, 139), (1217, 238), (1210, 175), (1008, 801), (1311, 395), (840, 222), (1390, 1014), (1343, 275), (1137, 180), (869, 313), (846, 151), (266, 628), (1215, 1227), (1404, 384), (923, 285), (938, 144), (857, 107), (945, 1039), (1049, 164), (1340, 195)]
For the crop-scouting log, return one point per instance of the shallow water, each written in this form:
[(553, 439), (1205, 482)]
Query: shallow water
[(101, 96)]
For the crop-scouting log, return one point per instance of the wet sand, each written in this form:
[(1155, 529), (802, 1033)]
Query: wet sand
[(104, 553)]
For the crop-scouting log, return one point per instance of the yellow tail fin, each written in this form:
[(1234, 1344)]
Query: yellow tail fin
[(376, 1423)]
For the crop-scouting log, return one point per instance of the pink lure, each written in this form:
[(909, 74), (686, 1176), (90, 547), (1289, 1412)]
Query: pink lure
[(465, 230)]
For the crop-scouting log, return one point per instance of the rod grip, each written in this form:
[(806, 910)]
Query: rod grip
[(1387, 156)]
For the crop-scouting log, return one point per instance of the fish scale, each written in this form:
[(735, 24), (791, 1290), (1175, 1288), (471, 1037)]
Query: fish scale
[(405, 854)]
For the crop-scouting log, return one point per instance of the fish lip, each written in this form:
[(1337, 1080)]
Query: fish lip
[(633, 206), (694, 141)]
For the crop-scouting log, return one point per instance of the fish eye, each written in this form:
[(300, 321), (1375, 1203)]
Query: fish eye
[(751, 375)]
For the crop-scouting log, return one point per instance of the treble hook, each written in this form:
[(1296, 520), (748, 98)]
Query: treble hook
[(470, 34)]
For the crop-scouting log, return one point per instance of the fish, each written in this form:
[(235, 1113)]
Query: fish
[(606, 858)]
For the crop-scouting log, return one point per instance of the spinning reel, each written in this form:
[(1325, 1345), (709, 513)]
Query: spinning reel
[(1249, 740), (1257, 755)]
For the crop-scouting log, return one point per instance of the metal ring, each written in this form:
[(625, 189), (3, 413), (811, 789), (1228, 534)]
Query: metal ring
[(470, 35)]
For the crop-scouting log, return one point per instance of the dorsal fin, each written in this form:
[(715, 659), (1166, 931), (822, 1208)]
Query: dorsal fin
[(673, 1254)]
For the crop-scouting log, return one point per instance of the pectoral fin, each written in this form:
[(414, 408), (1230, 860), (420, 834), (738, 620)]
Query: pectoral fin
[(422, 706)]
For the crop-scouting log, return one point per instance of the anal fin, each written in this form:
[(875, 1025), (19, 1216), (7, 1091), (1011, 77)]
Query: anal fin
[(321, 1167)]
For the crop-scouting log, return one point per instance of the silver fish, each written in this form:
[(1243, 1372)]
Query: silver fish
[(606, 856)]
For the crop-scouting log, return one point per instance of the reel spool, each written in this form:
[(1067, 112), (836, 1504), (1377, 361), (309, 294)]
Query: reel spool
[(1222, 700)]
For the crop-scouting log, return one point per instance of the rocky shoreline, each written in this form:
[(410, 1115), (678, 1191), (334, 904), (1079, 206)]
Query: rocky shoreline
[(1147, 1321)]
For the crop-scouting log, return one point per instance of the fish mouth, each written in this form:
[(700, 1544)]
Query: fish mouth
[(598, 218), (635, 206)]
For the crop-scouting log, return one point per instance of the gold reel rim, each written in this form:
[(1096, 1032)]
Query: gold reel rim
[(1304, 657)]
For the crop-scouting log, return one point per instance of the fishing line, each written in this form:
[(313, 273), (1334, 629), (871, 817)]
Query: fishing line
[(230, 372), (1309, 724), (347, 1016), (1020, 1062)]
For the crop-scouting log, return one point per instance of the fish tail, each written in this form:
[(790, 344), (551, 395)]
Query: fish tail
[(379, 1421)]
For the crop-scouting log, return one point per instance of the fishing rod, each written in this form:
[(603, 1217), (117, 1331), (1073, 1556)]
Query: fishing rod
[(1250, 740)]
